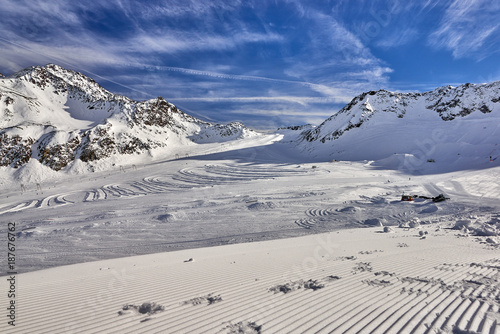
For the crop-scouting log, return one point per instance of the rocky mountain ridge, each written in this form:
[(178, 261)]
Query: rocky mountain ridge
[(445, 124), (448, 102), (57, 116)]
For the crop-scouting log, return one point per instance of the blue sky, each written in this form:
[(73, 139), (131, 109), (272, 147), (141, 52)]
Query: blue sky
[(265, 63)]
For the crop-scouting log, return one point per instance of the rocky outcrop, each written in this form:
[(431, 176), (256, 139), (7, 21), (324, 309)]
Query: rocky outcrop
[(15, 151), (156, 113)]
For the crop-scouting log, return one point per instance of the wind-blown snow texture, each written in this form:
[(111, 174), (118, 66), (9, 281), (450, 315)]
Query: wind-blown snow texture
[(58, 116)]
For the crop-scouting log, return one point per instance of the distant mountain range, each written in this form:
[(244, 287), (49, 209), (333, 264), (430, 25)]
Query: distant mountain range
[(57, 115)]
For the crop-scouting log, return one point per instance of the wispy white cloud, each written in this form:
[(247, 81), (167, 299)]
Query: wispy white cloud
[(314, 116), (331, 93), (302, 100), (65, 25), (398, 38), (337, 59), (33, 53), (183, 8), (428, 5), (174, 42), (469, 28), (288, 112), (40, 12), (374, 72)]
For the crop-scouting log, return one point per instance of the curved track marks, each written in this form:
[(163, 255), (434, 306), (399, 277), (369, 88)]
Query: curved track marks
[(22, 206), (187, 178), (320, 212), (314, 216)]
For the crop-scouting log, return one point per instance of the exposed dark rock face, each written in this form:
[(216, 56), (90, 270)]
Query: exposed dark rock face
[(158, 113), (97, 144), (15, 151), (59, 156)]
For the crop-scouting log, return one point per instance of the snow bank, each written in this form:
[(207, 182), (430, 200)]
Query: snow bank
[(34, 172), (479, 227)]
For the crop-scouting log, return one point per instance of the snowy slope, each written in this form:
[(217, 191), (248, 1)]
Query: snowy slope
[(450, 125), (60, 117), (358, 281)]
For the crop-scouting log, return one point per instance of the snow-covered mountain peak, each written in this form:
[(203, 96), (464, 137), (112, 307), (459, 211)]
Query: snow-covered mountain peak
[(61, 79), (58, 116), (462, 121)]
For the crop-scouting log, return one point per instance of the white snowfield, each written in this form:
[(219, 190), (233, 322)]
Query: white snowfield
[(258, 233), (352, 281), (320, 273)]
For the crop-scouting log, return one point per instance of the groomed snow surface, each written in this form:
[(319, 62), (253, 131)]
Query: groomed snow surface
[(249, 237)]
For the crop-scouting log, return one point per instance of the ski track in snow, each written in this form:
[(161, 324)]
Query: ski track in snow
[(374, 291), (22, 206), (186, 178), (50, 201)]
